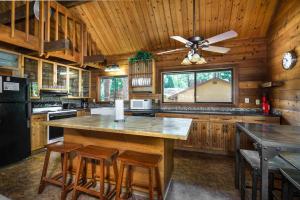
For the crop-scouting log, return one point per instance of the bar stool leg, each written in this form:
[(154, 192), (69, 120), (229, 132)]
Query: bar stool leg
[(150, 183), (129, 181), (77, 177), (158, 183), (254, 183), (102, 179), (115, 167), (243, 178), (44, 172), (64, 178), (107, 177), (119, 183)]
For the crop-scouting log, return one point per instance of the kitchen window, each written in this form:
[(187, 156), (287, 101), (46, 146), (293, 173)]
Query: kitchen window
[(209, 86), (112, 88)]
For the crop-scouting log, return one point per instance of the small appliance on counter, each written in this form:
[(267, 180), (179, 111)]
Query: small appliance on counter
[(140, 104), (84, 103), (15, 110)]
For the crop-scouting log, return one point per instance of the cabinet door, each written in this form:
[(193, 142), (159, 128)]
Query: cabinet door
[(38, 132), (74, 82), (218, 137), (61, 74), (85, 84), (230, 137), (205, 138), (47, 75), (31, 71)]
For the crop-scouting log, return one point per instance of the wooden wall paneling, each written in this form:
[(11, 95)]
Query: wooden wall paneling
[(284, 36)]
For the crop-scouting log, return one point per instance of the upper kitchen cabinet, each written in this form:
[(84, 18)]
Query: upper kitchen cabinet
[(31, 71), (48, 81), (61, 76), (142, 76), (74, 76), (85, 83)]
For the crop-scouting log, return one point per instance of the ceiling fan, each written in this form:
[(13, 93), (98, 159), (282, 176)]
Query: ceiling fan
[(198, 42)]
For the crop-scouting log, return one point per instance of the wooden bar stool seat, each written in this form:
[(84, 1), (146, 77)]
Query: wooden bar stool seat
[(106, 157), (65, 149), (131, 159)]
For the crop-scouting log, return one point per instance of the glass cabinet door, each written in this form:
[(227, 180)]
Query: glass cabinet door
[(61, 74), (85, 84), (47, 75), (74, 82), (31, 72)]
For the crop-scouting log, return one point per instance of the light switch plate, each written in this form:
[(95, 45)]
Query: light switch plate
[(257, 102), (247, 100)]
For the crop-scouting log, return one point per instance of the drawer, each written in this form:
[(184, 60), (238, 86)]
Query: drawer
[(225, 118), (261, 119)]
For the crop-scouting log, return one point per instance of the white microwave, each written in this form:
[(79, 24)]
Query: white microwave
[(141, 104)]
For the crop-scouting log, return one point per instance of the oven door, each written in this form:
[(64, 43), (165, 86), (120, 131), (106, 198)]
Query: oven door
[(56, 134)]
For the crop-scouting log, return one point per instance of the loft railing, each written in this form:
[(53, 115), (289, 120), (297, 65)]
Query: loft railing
[(56, 32)]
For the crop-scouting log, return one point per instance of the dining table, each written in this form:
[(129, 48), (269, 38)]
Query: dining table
[(270, 140)]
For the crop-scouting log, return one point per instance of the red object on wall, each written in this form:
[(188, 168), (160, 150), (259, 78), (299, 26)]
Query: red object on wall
[(265, 105)]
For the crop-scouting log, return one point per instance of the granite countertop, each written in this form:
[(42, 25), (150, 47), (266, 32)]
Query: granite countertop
[(202, 112), (168, 128)]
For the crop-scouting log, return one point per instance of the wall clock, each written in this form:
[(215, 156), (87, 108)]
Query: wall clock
[(289, 60)]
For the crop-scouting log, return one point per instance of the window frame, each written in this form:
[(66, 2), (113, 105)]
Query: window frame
[(111, 77), (234, 86)]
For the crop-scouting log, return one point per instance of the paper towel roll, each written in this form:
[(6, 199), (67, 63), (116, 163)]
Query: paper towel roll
[(119, 110)]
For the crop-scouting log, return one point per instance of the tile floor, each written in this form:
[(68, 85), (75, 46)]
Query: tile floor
[(196, 177)]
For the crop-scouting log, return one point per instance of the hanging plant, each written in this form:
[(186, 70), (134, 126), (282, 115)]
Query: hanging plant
[(140, 56)]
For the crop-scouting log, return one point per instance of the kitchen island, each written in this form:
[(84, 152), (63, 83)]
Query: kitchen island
[(143, 134)]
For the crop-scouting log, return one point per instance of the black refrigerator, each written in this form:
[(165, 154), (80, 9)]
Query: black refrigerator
[(15, 109)]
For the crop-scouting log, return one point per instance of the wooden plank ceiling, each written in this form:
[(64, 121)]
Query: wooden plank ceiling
[(122, 27)]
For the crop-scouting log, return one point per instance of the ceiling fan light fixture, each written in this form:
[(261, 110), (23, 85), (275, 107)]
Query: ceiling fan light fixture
[(201, 61), (186, 61), (195, 57)]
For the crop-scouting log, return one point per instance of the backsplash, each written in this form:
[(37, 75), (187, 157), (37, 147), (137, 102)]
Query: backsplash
[(220, 109), (52, 98)]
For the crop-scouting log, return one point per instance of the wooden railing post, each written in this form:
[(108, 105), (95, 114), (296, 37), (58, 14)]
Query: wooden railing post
[(27, 20), (56, 22), (47, 28), (13, 15), (66, 28), (42, 30)]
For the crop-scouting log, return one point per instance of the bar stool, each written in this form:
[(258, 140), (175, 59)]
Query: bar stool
[(106, 157), (131, 159), (65, 149), (253, 159)]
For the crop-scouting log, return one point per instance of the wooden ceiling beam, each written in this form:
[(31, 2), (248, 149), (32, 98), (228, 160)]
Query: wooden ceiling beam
[(93, 59), (57, 45), (20, 13)]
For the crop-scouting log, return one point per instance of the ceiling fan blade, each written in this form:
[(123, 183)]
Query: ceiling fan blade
[(181, 39), (170, 51), (223, 36), (216, 49)]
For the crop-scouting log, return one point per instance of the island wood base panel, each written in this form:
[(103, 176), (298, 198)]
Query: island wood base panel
[(123, 142)]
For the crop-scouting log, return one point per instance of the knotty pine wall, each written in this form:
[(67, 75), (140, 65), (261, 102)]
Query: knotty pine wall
[(284, 35), (248, 55)]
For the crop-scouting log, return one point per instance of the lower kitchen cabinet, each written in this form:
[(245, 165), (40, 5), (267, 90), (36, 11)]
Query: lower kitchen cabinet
[(216, 133), (38, 131)]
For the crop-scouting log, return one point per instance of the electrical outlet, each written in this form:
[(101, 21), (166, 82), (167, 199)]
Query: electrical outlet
[(257, 102), (247, 100), (94, 100)]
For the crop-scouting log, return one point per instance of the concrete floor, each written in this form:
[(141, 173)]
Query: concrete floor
[(196, 177)]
